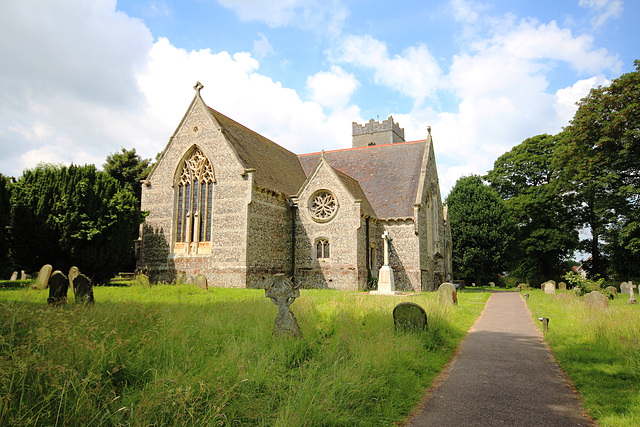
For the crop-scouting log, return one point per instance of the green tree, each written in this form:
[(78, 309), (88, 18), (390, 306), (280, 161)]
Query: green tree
[(5, 210), (74, 215), (129, 168), (481, 228), (599, 157), (545, 217)]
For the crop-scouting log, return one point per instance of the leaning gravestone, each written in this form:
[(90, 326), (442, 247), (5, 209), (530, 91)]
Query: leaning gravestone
[(562, 286), (550, 288), (625, 288), (73, 273), (612, 290), (83, 289), (409, 316), (43, 276), (201, 281), (447, 294), (58, 287), (282, 292), (143, 280), (14, 276), (596, 299)]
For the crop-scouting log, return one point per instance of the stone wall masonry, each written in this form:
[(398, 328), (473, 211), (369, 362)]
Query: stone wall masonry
[(376, 133), (269, 237), (229, 225)]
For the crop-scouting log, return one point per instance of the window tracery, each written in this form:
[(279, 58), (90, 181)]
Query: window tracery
[(194, 200), (322, 249), (323, 206)]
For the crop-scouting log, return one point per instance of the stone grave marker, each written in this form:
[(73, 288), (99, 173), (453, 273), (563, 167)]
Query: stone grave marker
[(625, 288), (201, 281), (632, 296), (447, 294), (612, 290), (83, 289), (409, 316), (282, 292), (596, 299), (386, 282), (58, 287), (143, 280), (562, 286), (182, 278), (14, 276), (550, 288), (73, 273), (43, 276), (23, 275)]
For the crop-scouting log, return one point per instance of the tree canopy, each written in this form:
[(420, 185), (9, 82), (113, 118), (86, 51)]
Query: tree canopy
[(545, 217), (599, 160), (128, 168), (74, 215), (482, 230)]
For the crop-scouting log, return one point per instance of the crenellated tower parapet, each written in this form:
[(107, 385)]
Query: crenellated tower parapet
[(377, 133)]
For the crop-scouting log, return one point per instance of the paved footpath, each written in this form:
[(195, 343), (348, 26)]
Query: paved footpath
[(503, 375)]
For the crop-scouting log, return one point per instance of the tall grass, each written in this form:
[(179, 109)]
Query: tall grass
[(178, 355), (600, 351)]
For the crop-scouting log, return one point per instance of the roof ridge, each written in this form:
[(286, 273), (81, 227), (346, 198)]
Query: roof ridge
[(364, 148)]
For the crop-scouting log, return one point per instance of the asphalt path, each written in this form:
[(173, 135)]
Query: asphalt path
[(502, 375)]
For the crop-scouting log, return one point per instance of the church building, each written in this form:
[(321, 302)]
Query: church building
[(226, 202)]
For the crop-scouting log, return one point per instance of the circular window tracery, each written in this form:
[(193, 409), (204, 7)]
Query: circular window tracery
[(323, 206)]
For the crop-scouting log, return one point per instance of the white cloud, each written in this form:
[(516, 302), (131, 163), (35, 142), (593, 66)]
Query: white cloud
[(414, 74), (261, 47), (316, 15), (603, 10), (332, 88)]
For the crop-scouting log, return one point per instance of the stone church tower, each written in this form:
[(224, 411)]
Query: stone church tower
[(230, 204)]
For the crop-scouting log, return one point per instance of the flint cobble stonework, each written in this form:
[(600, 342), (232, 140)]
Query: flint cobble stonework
[(258, 229)]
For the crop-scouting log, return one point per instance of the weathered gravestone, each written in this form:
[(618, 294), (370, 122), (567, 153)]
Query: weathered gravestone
[(83, 289), (43, 276), (562, 286), (201, 281), (14, 276), (611, 290), (23, 275), (447, 294), (625, 288), (550, 288), (632, 296), (143, 280), (73, 273), (182, 278), (492, 284), (409, 316), (282, 292), (596, 299), (58, 287)]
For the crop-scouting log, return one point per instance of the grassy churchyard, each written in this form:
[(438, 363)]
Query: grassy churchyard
[(180, 355), (599, 349)]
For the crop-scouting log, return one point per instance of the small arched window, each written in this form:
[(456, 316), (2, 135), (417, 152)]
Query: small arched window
[(194, 200), (322, 249)]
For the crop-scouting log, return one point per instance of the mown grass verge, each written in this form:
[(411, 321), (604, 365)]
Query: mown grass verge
[(179, 355), (600, 351)]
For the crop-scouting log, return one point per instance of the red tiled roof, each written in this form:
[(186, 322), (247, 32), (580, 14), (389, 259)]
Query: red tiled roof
[(388, 174)]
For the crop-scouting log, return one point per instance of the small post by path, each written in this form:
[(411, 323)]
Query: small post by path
[(545, 323)]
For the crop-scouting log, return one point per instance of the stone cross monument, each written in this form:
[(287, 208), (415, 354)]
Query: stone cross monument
[(282, 292), (632, 296), (386, 285)]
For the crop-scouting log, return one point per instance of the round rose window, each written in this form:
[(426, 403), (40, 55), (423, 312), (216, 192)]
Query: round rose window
[(323, 206)]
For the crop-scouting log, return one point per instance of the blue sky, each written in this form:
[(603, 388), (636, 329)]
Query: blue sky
[(79, 79)]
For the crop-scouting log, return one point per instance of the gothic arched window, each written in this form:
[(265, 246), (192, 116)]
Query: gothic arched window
[(322, 248), (194, 200)]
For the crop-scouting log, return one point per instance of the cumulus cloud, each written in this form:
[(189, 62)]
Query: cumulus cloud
[(332, 88), (415, 73), (315, 15), (567, 98)]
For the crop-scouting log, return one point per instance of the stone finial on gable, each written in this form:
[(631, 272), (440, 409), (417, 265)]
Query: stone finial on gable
[(197, 87)]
